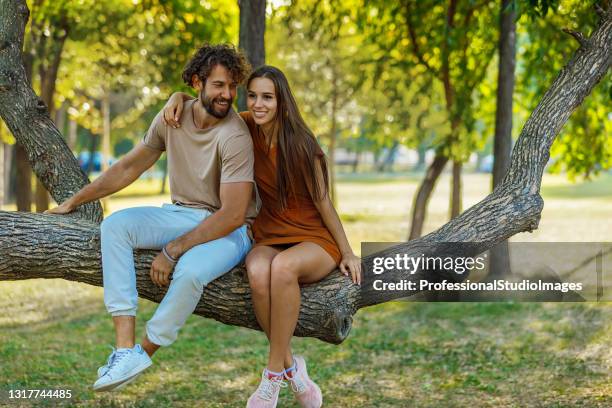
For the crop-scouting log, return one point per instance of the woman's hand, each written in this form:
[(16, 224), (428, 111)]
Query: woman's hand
[(351, 263), (173, 110)]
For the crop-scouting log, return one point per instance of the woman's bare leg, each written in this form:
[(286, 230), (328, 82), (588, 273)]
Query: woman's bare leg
[(305, 262), (258, 264)]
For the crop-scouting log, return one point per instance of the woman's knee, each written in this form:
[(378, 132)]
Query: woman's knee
[(284, 269), (258, 271)]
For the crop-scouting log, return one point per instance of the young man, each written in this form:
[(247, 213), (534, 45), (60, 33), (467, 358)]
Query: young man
[(202, 234)]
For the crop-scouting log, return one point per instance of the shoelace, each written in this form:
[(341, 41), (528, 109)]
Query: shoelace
[(116, 357), (268, 387), (104, 369), (297, 385)]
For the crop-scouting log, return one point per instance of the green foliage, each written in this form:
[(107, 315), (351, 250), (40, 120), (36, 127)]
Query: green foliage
[(449, 46), (318, 47)]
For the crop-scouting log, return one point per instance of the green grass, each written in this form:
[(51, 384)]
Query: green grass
[(54, 333)]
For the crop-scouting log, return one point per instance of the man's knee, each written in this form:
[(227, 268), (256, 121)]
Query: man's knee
[(284, 269), (197, 275)]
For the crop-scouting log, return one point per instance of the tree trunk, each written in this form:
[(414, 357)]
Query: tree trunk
[(422, 152), (24, 180), (499, 260), (41, 197), (10, 173), (455, 207), (251, 37), (419, 206), (46, 246), (1, 174)]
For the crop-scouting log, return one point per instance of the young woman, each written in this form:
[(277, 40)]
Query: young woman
[(298, 234)]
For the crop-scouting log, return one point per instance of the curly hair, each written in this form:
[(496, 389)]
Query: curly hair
[(208, 56)]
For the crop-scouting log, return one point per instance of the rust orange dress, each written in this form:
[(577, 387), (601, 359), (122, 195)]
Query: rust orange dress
[(300, 221)]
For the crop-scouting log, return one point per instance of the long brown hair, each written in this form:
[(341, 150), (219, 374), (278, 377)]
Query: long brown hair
[(297, 148)]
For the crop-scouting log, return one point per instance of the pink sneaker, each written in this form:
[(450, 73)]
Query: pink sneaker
[(266, 395), (306, 392)]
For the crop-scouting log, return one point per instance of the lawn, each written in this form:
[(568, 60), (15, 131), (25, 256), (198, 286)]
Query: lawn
[(54, 333)]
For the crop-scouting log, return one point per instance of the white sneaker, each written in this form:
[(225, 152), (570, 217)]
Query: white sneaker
[(266, 395), (123, 366)]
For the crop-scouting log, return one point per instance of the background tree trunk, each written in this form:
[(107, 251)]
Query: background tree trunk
[(499, 260), (47, 246), (251, 37), (456, 202), (1, 174), (24, 180), (419, 206)]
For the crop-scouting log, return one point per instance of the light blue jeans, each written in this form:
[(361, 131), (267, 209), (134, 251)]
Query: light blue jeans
[(152, 228)]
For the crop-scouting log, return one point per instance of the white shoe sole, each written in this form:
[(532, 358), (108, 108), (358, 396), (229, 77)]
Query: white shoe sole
[(121, 382)]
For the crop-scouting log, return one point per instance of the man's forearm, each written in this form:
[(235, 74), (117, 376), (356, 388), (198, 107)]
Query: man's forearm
[(109, 182), (214, 227)]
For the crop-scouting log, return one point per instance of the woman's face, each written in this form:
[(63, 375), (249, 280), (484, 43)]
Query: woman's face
[(261, 100)]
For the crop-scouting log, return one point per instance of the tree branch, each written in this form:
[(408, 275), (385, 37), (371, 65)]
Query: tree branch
[(577, 35)]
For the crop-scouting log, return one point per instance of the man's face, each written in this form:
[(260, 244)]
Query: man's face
[(218, 92)]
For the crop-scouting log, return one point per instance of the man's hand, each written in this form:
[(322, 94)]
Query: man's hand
[(64, 208), (161, 269)]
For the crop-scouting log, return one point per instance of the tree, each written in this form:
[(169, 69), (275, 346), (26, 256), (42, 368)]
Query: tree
[(38, 245), (499, 261), (251, 37)]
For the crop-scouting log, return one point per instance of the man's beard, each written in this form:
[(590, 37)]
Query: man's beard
[(208, 104)]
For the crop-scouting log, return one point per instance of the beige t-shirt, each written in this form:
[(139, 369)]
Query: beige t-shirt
[(199, 160)]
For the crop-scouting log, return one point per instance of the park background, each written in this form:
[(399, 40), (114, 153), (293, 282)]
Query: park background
[(380, 108)]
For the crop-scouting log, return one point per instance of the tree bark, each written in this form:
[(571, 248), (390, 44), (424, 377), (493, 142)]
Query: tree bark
[(499, 260), (45, 246), (419, 206), (455, 207), (251, 37)]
